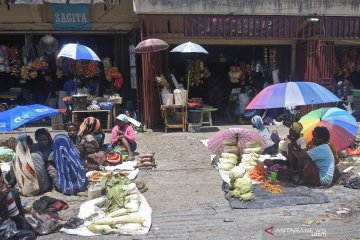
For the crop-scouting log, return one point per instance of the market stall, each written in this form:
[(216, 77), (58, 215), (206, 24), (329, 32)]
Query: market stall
[(229, 77), (247, 181)]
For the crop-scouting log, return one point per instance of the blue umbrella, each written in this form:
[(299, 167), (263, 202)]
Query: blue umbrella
[(292, 94), (78, 52), (20, 115)]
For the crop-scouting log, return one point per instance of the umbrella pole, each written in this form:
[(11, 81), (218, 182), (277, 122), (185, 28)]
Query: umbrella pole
[(187, 96)]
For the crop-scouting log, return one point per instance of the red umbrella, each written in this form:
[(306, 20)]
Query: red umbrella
[(151, 45), (242, 135)]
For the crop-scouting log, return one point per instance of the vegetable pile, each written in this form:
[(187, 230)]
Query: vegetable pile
[(258, 174), (229, 155), (242, 189), (121, 206), (6, 154), (275, 188)]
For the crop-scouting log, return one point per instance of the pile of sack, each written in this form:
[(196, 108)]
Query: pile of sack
[(146, 161)]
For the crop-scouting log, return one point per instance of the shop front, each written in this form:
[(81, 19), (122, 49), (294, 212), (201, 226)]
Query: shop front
[(29, 52), (304, 40)]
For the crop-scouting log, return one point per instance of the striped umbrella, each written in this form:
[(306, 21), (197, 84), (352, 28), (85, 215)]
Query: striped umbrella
[(291, 94), (78, 52), (242, 135), (341, 125)]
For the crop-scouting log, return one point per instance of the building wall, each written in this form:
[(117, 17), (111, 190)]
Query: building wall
[(244, 7), (27, 17)]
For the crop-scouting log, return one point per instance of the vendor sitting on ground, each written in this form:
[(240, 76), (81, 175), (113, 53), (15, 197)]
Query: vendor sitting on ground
[(271, 145), (92, 138), (294, 142), (66, 168), (73, 130), (12, 224), (29, 168), (316, 166), (44, 143), (123, 134)]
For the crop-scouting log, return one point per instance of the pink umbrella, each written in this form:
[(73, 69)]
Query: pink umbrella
[(242, 135), (151, 45)]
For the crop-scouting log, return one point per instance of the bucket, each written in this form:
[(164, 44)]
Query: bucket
[(79, 102), (168, 99), (194, 116), (180, 97)]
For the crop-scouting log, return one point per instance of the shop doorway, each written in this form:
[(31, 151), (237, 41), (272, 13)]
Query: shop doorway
[(233, 70)]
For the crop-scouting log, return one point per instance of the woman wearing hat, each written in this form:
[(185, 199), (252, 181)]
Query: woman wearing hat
[(294, 142), (124, 134)]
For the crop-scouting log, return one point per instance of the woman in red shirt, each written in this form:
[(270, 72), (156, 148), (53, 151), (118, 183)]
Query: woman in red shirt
[(124, 134)]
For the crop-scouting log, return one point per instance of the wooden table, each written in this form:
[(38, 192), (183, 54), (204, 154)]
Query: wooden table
[(103, 115), (167, 109)]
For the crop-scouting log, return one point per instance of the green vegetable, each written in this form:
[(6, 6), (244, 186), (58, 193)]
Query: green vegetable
[(253, 163), (228, 160), (104, 221), (229, 155), (129, 227), (225, 166), (243, 184), (231, 149), (236, 193), (133, 197), (236, 172), (117, 213), (103, 229), (256, 150), (116, 188), (247, 196), (135, 218), (132, 206)]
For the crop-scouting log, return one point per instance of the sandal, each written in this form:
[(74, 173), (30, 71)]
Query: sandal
[(130, 158)]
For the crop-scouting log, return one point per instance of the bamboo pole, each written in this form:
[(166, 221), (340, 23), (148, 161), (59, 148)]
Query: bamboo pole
[(187, 98)]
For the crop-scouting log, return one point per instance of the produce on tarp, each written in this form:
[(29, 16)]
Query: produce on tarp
[(6, 154), (121, 207), (242, 189)]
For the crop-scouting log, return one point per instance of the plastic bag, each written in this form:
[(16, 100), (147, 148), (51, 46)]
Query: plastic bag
[(42, 223)]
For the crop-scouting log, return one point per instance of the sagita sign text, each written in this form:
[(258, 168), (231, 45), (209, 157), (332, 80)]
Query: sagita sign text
[(70, 17)]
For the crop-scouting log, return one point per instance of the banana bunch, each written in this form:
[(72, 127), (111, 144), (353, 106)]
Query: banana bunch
[(33, 74), (25, 73)]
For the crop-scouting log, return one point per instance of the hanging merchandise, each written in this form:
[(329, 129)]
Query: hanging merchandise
[(80, 68), (48, 44), (198, 72), (91, 69), (115, 75), (4, 62), (31, 70), (106, 64), (13, 55)]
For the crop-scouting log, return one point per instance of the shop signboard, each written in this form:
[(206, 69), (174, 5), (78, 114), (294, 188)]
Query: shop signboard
[(70, 17)]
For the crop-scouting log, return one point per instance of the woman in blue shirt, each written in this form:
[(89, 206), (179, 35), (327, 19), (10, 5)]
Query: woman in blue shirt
[(44, 143), (316, 166)]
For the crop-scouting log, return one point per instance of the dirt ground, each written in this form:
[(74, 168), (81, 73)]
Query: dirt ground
[(188, 203)]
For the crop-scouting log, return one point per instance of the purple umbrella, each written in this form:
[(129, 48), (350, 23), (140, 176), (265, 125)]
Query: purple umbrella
[(242, 135)]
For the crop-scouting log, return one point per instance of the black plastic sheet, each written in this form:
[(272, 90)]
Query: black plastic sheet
[(292, 195)]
